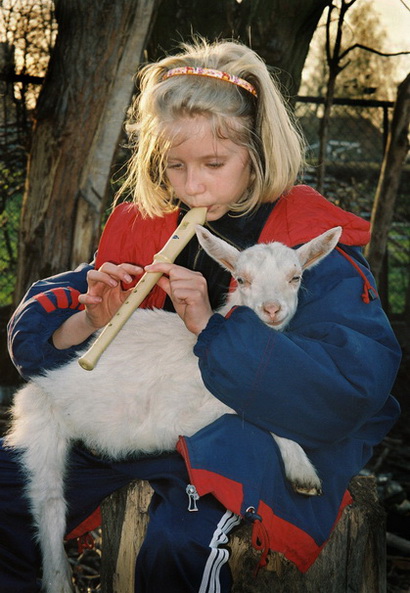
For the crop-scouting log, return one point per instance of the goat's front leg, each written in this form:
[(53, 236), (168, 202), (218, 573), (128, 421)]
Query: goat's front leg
[(298, 468)]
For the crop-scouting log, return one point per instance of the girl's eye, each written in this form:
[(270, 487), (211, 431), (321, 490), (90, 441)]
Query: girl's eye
[(215, 165)]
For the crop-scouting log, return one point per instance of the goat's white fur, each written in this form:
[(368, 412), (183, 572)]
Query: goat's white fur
[(147, 390)]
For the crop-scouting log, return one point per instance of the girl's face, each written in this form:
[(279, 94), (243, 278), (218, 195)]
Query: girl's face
[(205, 170)]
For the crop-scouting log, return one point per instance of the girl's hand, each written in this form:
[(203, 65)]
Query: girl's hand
[(188, 291), (105, 294), (102, 300)]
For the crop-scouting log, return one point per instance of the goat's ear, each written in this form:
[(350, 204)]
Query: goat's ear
[(225, 254), (314, 251)]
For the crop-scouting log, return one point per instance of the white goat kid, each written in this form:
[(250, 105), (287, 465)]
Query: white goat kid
[(147, 390)]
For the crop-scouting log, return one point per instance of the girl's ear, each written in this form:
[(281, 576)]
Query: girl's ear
[(225, 254), (314, 251)]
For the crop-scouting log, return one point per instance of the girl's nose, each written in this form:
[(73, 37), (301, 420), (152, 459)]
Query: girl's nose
[(193, 184)]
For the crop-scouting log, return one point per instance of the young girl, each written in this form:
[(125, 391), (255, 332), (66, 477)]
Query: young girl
[(210, 129)]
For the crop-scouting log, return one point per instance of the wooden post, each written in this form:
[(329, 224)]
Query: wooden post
[(354, 559)]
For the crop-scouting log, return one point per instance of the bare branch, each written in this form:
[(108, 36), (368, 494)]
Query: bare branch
[(328, 23), (371, 50), (27, 78)]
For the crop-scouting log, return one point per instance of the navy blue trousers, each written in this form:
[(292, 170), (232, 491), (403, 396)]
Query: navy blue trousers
[(183, 552)]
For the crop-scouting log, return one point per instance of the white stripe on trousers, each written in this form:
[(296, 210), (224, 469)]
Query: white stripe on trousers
[(218, 556)]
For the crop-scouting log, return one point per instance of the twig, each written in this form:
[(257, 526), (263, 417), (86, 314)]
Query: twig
[(399, 543)]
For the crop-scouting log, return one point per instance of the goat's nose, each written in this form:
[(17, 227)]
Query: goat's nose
[(271, 309)]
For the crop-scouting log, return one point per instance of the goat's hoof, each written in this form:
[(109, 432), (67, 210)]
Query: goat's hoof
[(307, 490)]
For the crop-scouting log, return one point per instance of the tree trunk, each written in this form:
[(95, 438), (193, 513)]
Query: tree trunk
[(97, 170), (354, 559), (386, 192), (77, 124), (278, 30), (333, 61), (324, 132)]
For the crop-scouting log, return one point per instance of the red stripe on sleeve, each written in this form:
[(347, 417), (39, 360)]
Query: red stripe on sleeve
[(45, 302), (62, 298)]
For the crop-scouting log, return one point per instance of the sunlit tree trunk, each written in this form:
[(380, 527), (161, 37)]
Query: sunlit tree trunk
[(396, 151), (77, 125)]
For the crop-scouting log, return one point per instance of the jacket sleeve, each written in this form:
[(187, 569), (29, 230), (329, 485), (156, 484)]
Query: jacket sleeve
[(326, 378), (47, 304)]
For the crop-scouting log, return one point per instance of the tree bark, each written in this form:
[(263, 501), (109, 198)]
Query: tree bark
[(278, 30), (77, 124), (386, 192), (333, 61), (354, 558)]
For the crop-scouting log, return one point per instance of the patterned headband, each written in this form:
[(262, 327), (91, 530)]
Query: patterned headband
[(211, 74)]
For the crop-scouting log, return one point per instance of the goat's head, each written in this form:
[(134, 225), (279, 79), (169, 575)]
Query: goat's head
[(268, 276)]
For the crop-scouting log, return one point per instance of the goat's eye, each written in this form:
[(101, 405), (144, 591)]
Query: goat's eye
[(243, 281), (296, 279)]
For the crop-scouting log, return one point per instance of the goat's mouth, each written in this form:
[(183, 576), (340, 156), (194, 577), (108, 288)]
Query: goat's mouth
[(276, 323)]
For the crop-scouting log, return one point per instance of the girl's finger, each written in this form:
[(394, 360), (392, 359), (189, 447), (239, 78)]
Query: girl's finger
[(110, 274), (88, 299)]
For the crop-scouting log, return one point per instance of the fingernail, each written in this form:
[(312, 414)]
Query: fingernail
[(127, 278)]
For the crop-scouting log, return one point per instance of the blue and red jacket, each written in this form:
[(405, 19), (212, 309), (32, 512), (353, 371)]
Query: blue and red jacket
[(324, 382)]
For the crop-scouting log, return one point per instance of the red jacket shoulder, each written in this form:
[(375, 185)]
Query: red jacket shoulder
[(304, 213)]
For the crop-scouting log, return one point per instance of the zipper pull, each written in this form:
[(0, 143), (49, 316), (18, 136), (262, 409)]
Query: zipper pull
[(193, 497)]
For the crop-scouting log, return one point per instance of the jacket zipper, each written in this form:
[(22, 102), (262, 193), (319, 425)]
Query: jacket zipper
[(193, 496), (197, 254), (191, 490), (200, 249), (218, 234)]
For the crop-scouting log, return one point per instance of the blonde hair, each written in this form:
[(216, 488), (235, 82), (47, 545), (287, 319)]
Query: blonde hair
[(262, 124)]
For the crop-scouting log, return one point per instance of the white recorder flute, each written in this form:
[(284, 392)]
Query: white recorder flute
[(175, 244)]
